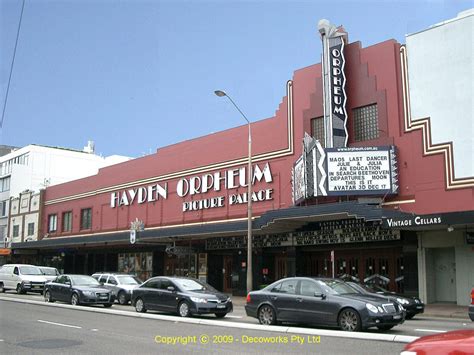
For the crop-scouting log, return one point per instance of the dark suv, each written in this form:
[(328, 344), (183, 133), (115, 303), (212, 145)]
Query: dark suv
[(120, 284)]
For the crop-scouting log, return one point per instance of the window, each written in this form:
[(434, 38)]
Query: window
[(3, 208), (5, 184), (31, 228), (152, 284), (67, 221), (288, 287), (366, 125), (52, 222), (309, 288), (86, 218), (16, 231), (317, 128), (103, 279), (112, 281)]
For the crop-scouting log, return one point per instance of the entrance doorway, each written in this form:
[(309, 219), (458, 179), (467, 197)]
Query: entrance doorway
[(444, 274), (227, 274), (377, 265), (281, 267)]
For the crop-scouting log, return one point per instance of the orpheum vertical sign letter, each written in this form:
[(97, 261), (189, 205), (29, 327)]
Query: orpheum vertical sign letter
[(334, 83), (338, 95)]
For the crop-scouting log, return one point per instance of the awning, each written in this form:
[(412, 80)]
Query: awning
[(271, 222)]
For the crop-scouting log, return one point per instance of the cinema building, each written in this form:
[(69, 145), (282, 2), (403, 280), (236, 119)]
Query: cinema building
[(345, 179)]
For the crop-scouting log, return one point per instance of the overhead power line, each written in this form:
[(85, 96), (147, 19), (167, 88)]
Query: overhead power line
[(13, 63)]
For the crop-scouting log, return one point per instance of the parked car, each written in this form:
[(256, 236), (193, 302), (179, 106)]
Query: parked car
[(50, 273), (454, 342), (412, 305), (22, 278), (471, 306), (77, 289), (322, 301), (120, 284), (183, 295)]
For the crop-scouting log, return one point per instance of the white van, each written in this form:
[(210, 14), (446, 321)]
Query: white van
[(22, 278)]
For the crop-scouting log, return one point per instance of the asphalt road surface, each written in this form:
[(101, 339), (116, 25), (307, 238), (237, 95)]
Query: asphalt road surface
[(42, 329), (418, 326)]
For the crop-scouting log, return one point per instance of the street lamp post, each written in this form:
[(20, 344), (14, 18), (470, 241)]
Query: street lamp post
[(221, 93)]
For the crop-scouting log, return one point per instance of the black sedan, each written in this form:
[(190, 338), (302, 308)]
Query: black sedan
[(322, 301), (182, 295), (77, 289), (412, 305)]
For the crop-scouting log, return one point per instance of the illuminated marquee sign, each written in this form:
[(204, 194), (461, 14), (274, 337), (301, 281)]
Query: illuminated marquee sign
[(199, 185), (345, 171), (365, 170)]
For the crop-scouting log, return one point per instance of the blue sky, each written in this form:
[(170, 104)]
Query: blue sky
[(137, 75)]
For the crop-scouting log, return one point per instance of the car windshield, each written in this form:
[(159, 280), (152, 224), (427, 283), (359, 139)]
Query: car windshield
[(83, 280), (193, 285), (129, 280), (49, 271), (30, 270), (336, 287)]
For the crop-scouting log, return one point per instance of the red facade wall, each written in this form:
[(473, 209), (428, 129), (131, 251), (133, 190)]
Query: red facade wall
[(373, 76)]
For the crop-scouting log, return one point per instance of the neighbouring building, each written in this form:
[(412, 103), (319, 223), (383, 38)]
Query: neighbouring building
[(347, 178), (26, 171)]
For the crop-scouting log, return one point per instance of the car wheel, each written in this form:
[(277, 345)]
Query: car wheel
[(183, 309), (349, 320), (266, 315), (140, 306), (19, 289), (75, 299), (409, 316), (385, 327), (107, 305), (122, 298), (2, 289), (47, 297), (220, 315)]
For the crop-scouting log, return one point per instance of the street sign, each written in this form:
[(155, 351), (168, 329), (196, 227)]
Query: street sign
[(133, 236)]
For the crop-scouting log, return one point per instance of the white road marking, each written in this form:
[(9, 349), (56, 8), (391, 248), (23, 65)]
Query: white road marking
[(239, 317), (94, 330), (60, 324), (431, 330)]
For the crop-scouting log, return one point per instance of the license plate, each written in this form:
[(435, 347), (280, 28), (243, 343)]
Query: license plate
[(419, 307), (397, 317), (220, 306), (36, 286)]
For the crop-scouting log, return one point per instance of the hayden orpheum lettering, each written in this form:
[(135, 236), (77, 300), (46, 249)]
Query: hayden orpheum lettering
[(222, 180), (139, 194), (229, 179)]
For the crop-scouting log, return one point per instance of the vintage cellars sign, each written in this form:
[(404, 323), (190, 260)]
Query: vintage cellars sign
[(199, 185)]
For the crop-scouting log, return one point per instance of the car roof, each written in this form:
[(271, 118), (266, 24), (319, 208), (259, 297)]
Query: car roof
[(111, 273)]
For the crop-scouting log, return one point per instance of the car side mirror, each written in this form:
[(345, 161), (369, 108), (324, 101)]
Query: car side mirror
[(320, 295), (171, 288)]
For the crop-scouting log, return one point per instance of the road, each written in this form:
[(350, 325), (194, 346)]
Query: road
[(419, 326), (44, 329)]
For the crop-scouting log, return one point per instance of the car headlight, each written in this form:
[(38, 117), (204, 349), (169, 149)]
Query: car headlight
[(88, 293), (371, 308), (403, 301), (228, 299), (198, 300), (380, 309), (26, 282)]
